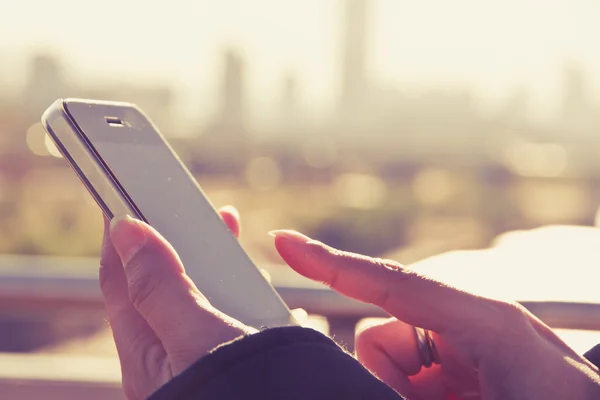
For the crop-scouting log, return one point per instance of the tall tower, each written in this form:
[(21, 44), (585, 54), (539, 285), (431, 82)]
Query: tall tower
[(575, 96), (45, 83), (289, 96), (354, 76), (290, 119), (232, 91)]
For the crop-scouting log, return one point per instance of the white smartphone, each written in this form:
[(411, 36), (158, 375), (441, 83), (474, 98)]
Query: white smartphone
[(129, 168)]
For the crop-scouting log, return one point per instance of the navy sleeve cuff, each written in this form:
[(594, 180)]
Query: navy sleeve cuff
[(279, 363), (593, 355)]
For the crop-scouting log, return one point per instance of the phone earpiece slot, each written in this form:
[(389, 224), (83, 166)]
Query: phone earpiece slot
[(114, 122)]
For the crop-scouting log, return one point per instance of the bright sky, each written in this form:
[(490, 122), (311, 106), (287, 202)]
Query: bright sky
[(493, 46)]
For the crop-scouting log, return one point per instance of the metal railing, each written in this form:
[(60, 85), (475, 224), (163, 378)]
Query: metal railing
[(38, 291)]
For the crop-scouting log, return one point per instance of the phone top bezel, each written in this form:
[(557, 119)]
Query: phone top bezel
[(72, 123)]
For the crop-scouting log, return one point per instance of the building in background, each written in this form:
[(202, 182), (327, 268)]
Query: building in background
[(575, 92), (354, 83), (231, 114), (225, 143), (45, 83)]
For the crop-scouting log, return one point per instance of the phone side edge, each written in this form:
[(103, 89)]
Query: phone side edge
[(64, 133)]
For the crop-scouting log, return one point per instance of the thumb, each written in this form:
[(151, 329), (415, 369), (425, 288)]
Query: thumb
[(161, 291), (149, 261)]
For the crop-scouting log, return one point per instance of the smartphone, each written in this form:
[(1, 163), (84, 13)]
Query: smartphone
[(129, 168)]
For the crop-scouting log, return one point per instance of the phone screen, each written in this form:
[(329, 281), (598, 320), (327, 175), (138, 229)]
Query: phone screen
[(171, 201)]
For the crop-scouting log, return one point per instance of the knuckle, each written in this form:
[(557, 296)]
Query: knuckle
[(513, 311), (508, 319), (366, 333), (506, 332), (390, 272), (365, 338), (382, 297), (364, 346), (142, 286)]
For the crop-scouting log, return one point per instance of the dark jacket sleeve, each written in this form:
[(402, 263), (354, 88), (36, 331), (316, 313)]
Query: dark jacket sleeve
[(593, 356), (280, 363)]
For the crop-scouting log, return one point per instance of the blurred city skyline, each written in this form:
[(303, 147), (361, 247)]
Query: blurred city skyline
[(493, 50), (419, 118)]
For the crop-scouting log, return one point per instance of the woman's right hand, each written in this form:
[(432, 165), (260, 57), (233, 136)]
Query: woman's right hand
[(488, 349)]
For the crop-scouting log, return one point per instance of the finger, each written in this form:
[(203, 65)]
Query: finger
[(231, 217), (300, 315), (392, 339), (410, 297), (384, 368), (163, 294), (134, 339), (429, 384), (389, 350)]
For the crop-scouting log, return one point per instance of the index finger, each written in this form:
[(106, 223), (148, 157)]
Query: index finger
[(231, 217), (408, 296)]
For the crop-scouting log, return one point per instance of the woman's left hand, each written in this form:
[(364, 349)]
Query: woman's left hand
[(161, 323)]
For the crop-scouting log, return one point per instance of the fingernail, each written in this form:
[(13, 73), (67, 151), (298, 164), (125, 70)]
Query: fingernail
[(290, 235), (230, 209), (128, 237)]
